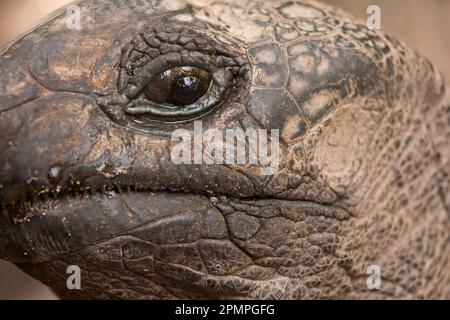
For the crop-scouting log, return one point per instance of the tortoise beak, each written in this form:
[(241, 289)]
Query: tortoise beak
[(39, 128)]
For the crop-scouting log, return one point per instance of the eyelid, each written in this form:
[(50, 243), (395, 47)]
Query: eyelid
[(160, 64), (158, 112)]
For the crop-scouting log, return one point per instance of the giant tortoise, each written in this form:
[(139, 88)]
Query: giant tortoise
[(87, 177)]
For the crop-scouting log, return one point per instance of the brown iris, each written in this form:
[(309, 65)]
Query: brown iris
[(178, 86)]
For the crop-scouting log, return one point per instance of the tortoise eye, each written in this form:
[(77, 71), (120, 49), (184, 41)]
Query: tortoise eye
[(178, 86), (179, 94), (188, 89)]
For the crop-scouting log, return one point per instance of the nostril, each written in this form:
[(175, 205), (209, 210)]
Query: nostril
[(55, 174)]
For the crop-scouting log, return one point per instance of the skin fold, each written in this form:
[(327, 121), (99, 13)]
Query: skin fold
[(364, 125)]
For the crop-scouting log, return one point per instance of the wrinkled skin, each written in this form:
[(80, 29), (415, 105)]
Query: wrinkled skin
[(364, 125)]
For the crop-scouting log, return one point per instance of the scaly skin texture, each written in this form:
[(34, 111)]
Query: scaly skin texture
[(364, 175)]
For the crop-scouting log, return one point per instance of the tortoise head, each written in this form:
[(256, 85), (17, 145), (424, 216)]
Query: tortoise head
[(196, 150)]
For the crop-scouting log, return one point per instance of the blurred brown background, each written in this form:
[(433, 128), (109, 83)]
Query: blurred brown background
[(424, 24)]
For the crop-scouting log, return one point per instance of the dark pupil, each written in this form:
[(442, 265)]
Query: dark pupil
[(178, 86), (187, 90)]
